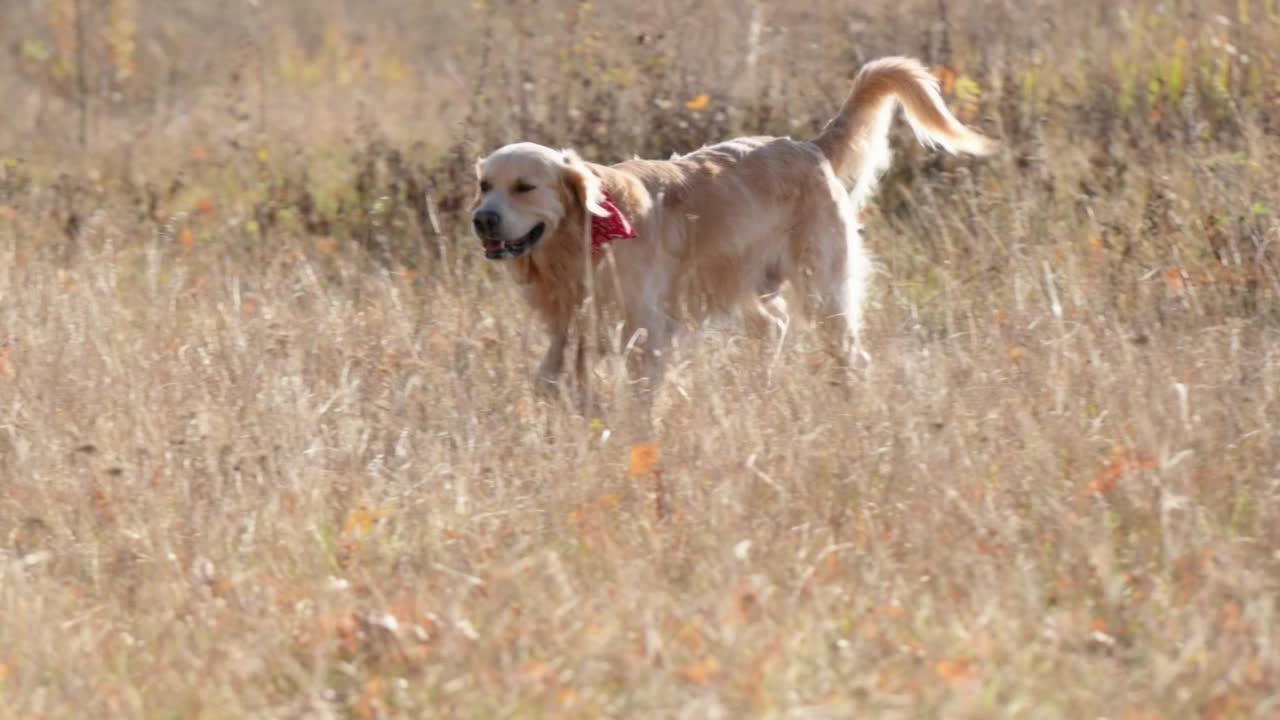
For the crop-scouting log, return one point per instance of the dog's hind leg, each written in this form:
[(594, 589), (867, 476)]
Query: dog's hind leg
[(768, 318), (833, 282), (766, 313), (646, 343)]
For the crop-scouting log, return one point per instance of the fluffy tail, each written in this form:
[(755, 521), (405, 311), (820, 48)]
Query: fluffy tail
[(856, 141)]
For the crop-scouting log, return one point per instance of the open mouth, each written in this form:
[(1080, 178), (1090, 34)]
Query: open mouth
[(499, 249)]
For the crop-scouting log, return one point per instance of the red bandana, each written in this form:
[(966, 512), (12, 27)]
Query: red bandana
[(613, 226)]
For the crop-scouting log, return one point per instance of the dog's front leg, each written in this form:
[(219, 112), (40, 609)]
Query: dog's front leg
[(547, 383), (587, 403), (550, 372)]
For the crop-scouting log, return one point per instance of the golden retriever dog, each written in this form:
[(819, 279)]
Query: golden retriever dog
[(643, 245)]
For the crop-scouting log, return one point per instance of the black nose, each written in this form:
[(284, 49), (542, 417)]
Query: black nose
[(486, 223)]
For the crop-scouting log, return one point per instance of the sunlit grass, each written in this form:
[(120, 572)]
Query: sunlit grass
[(268, 440)]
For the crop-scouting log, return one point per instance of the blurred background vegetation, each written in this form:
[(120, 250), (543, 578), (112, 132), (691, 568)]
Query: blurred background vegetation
[(361, 119)]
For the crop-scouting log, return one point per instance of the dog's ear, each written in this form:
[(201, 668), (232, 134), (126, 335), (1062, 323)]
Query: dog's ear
[(583, 184)]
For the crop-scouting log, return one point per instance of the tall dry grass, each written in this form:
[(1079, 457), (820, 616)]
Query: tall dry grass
[(268, 446)]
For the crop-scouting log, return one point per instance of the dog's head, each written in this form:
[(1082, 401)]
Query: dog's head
[(527, 193)]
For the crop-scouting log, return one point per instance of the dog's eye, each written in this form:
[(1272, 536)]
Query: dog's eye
[(485, 186), (524, 187)]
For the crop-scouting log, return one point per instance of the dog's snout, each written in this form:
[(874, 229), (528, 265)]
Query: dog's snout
[(487, 223)]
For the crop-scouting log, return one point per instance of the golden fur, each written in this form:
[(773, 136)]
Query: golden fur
[(721, 228)]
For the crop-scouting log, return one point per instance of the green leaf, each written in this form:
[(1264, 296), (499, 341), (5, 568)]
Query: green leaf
[(968, 89), (35, 50)]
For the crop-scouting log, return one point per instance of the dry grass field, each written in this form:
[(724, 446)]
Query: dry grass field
[(268, 441)]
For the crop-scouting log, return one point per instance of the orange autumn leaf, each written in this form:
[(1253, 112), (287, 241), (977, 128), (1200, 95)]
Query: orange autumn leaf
[(102, 502), (699, 102), (187, 238), (1231, 620), (946, 78), (348, 632), (362, 519), (536, 672), (701, 672), (1225, 706), (205, 206), (953, 671), (644, 459), (893, 612), (986, 548), (6, 366), (1255, 673), (368, 705), (1102, 485), (567, 697), (1123, 461), (828, 570), (691, 636)]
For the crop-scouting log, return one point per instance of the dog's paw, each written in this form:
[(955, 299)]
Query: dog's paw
[(546, 388)]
